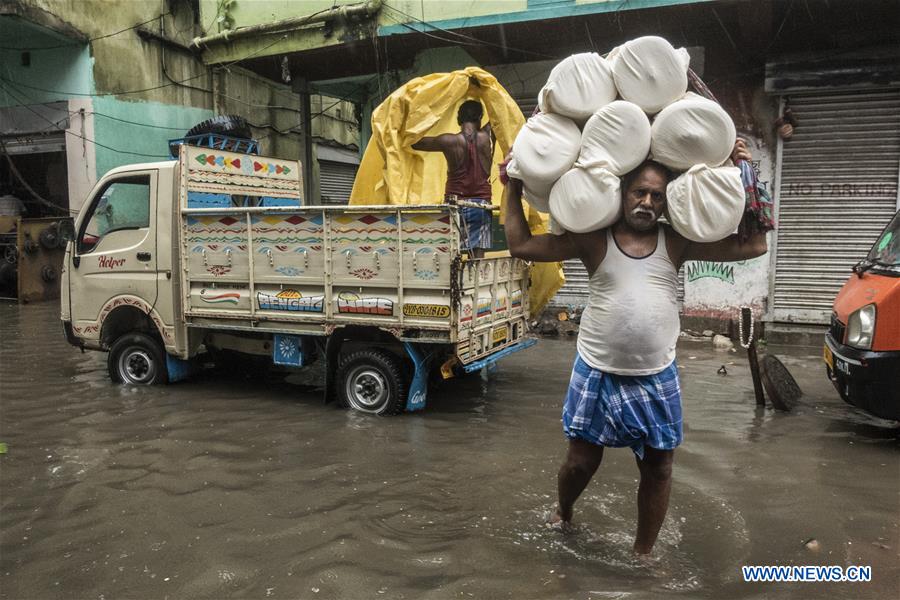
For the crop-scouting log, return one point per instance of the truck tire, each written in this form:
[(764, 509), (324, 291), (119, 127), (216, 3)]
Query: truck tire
[(372, 381), (230, 125), (137, 359)]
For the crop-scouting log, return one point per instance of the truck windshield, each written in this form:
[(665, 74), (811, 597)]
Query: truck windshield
[(886, 251)]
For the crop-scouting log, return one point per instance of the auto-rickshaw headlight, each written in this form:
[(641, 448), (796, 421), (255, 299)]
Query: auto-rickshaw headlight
[(861, 327)]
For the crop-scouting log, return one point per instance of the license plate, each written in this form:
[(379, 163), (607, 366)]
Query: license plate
[(828, 357)]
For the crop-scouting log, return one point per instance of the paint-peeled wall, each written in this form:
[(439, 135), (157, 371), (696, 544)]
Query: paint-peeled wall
[(138, 131), (717, 289), (128, 95)]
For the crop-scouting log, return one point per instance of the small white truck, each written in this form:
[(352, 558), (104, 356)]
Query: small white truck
[(215, 253)]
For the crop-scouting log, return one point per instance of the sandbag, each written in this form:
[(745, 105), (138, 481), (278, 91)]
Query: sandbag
[(650, 72), (539, 199), (554, 227), (586, 200), (578, 86), (692, 131), (545, 148), (616, 137), (706, 204)]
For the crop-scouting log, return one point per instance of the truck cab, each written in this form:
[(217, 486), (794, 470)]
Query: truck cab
[(862, 345)]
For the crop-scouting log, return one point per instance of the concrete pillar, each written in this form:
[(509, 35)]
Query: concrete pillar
[(301, 87)]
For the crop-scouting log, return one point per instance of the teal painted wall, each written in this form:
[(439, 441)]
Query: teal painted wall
[(68, 69), (449, 15), (143, 128)]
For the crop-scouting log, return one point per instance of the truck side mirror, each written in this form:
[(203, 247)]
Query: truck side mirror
[(66, 229)]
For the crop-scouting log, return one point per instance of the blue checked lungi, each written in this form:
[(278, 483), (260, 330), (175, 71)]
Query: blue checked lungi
[(476, 225), (620, 410)]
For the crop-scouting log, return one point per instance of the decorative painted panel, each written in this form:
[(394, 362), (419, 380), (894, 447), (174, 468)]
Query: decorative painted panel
[(364, 249), (217, 247), (289, 247)]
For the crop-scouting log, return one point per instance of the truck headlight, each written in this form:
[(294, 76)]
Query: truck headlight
[(861, 327)]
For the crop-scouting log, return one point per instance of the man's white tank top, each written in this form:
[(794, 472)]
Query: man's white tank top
[(630, 325)]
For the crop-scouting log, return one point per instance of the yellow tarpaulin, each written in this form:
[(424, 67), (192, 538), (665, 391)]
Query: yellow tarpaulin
[(392, 172)]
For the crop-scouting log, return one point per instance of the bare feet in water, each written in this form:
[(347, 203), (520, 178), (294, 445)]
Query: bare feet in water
[(558, 523)]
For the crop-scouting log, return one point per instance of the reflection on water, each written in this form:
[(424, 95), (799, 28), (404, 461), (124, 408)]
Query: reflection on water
[(228, 486)]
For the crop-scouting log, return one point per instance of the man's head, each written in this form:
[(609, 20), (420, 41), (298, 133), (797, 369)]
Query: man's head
[(644, 195), (470, 111)]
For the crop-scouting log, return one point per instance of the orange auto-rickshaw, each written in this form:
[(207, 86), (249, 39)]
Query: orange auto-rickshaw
[(862, 346)]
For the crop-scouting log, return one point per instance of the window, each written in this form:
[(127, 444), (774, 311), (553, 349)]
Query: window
[(123, 205)]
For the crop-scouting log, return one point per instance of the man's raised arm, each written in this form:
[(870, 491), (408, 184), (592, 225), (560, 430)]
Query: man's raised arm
[(524, 245), (728, 250), (438, 143)]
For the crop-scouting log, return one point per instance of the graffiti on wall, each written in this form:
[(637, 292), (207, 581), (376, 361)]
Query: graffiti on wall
[(702, 269)]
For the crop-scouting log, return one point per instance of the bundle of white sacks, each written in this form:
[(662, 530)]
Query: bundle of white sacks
[(595, 126)]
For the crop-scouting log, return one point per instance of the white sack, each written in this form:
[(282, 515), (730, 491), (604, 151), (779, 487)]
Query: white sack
[(650, 72), (692, 131), (578, 86), (706, 203), (545, 148), (616, 137), (539, 199), (555, 228), (586, 200)]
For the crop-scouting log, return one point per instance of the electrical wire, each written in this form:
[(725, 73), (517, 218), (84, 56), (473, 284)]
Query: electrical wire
[(460, 35), (55, 124), (149, 89), (87, 139), (300, 125), (162, 63), (89, 40), (71, 113)]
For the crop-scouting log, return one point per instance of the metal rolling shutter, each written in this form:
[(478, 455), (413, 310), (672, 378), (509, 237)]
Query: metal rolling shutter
[(336, 181), (35, 144), (837, 190)]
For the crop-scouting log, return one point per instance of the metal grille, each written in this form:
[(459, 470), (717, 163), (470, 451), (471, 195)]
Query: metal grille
[(837, 329), (837, 190), (336, 181), (574, 291)]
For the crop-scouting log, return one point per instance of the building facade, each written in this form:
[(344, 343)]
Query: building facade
[(833, 64), (90, 85)]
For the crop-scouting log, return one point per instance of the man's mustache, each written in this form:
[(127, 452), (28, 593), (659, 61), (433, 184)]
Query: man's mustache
[(642, 211)]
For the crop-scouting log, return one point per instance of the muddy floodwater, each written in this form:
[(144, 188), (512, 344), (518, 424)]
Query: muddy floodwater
[(230, 487)]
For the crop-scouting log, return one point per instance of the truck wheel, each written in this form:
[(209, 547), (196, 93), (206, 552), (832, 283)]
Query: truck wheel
[(372, 381), (137, 359)]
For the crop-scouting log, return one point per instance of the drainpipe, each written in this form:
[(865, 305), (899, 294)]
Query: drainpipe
[(347, 11)]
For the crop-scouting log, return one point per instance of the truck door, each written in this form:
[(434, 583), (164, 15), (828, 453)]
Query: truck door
[(115, 248)]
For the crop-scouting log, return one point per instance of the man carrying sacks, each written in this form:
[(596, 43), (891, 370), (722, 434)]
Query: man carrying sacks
[(624, 388), (469, 157)]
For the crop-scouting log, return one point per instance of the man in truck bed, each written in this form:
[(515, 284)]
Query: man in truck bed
[(468, 155)]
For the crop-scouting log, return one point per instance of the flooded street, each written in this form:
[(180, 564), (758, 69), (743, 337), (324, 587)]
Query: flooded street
[(225, 487)]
